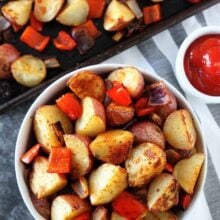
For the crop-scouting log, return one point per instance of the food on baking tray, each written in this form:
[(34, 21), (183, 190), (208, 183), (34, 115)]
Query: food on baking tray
[(86, 165)]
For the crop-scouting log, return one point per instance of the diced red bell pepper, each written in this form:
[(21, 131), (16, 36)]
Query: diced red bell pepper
[(70, 106), (60, 160), (37, 25), (128, 206), (29, 156), (96, 8), (91, 28), (185, 200), (119, 94), (34, 39), (168, 167), (64, 41), (84, 216), (145, 111), (152, 14), (141, 103)]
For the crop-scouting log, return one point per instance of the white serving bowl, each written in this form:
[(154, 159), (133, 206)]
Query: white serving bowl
[(179, 67), (25, 133)]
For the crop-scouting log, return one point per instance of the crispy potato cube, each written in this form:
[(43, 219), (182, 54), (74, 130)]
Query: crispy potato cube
[(92, 120), (42, 183), (18, 12), (112, 146), (106, 183), (166, 216), (163, 193), (117, 16), (46, 10), (66, 207), (81, 157), (145, 162), (179, 130), (44, 117), (131, 78), (87, 83), (28, 70), (187, 171)]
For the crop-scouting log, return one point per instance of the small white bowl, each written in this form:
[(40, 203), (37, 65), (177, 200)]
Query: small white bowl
[(26, 133), (179, 68)]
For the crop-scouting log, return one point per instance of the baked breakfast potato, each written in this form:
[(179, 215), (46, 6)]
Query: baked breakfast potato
[(112, 148)]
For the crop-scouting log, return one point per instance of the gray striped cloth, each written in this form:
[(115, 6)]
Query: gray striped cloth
[(157, 55)]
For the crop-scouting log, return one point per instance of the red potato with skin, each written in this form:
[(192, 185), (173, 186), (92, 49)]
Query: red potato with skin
[(148, 132), (68, 207), (8, 54), (119, 115), (131, 78), (92, 121), (81, 156)]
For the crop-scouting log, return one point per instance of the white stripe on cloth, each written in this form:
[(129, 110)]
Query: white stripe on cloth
[(167, 46), (212, 15)]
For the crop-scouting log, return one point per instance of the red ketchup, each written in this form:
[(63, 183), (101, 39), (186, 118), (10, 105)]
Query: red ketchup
[(202, 64)]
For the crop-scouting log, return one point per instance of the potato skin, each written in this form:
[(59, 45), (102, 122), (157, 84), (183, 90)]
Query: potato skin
[(163, 193), (145, 161), (148, 132), (112, 146), (119, 115), (42, 183), (87, 83), (104, 190), (44, 116), (8, 54), (68, 206), (179, 130)]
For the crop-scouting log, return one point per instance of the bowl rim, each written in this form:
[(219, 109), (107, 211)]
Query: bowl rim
[(24, 130), (179, 64)]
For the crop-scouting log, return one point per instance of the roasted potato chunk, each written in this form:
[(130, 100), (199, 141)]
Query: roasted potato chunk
[(65, 207), (28, 70), (17, 12), (119, 115), (100, 213), (117, 16), (74, 13), (92, 120), (179, 130), (187, 171), (166, 216), (104, 190), (44, 117), (8, 54), (145, 162), (112, 146), (163, 193), (42, 183), (131, 78), (46, 10), (148, 132), (87, 83), (116, 216), (81, 157), (81, 187)]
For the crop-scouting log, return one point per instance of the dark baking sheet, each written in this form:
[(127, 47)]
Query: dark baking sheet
[(173, 11)]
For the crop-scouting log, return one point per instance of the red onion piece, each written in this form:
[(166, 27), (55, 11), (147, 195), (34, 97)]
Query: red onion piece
[(83, 39), (4, 23), (133, 5)]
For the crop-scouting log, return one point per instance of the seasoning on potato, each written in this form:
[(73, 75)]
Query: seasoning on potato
[(104, 154)]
